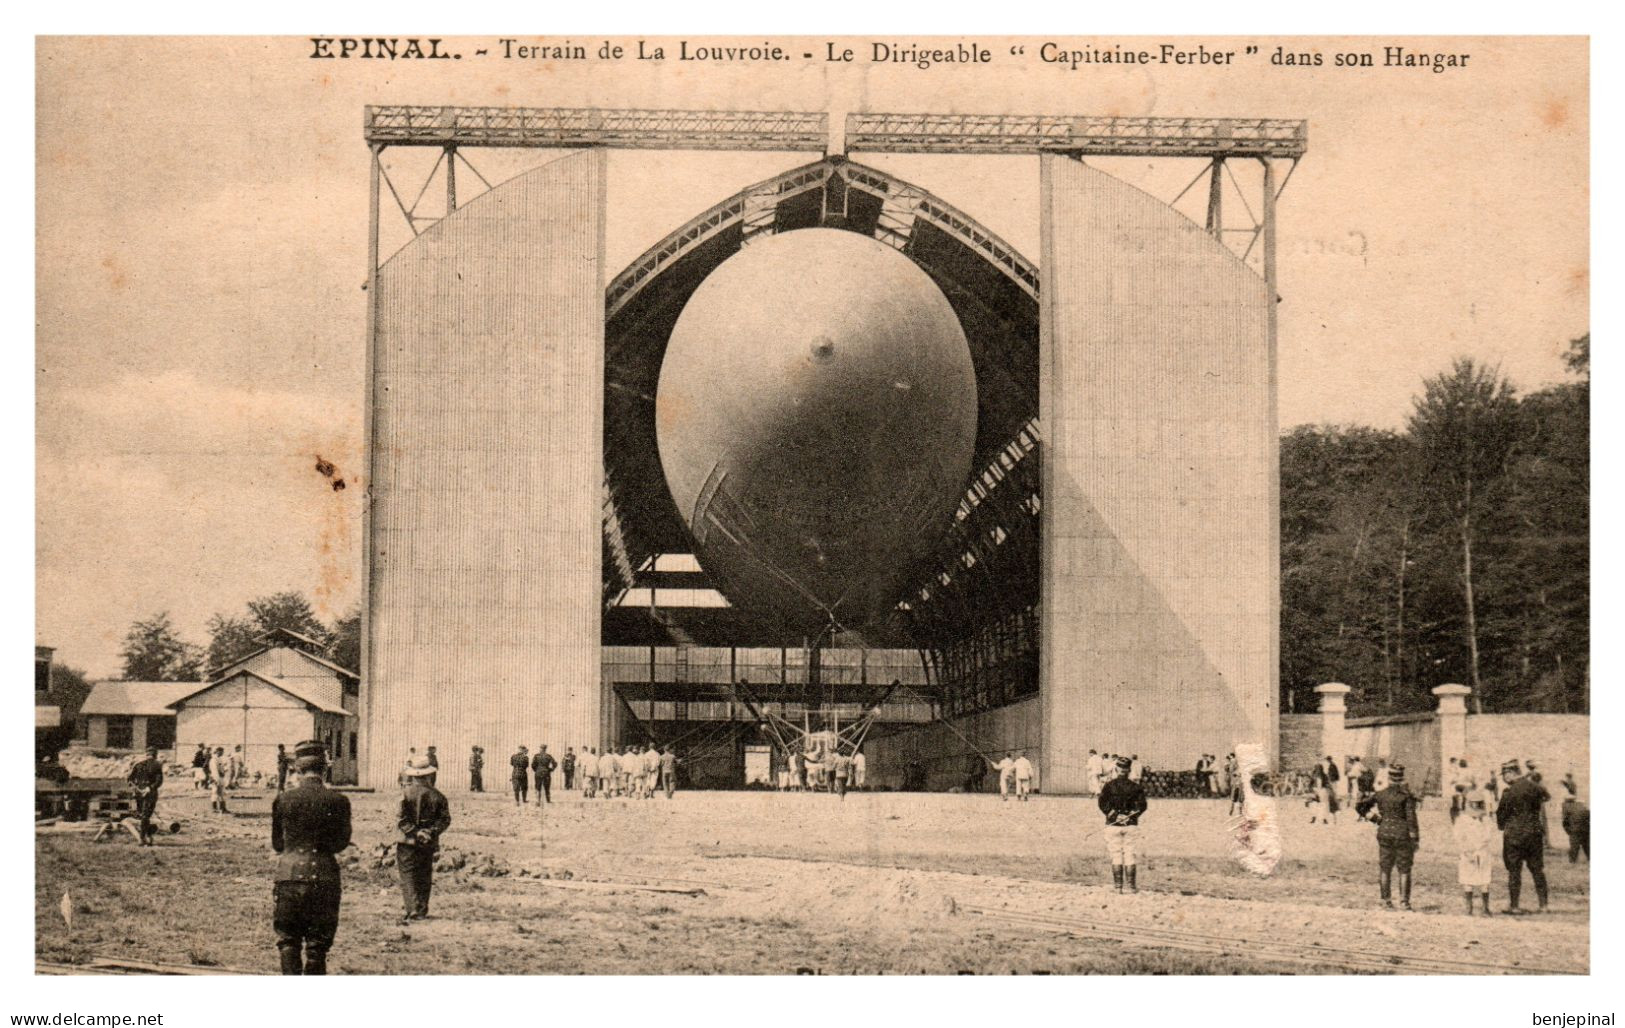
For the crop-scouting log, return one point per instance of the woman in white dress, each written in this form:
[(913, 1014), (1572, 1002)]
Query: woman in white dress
[(1474, 835)]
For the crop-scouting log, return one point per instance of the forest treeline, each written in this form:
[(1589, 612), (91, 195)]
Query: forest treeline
[(1453, 550)]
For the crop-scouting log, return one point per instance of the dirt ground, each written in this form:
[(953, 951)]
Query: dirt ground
[(880, 883)]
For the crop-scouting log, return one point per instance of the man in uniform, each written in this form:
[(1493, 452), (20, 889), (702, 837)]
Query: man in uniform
[(424, 816), (1521, 815), (1091, 774), (309, 824), (521, 776), (588, 770), (1122, 800), (568, 766), (476, 770), (543, 765), (1398, 834), (841, 768), (434, 767), (860, 771), (146, 776), (283, 763), (1022, 770), (651, 771)]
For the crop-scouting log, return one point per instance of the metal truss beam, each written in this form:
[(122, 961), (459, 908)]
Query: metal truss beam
[(1084, 136), (586, 126)]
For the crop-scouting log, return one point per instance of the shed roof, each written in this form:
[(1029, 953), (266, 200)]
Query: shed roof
[(299, 689), (136, 699)]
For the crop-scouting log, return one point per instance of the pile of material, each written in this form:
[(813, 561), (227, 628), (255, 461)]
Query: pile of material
[(83, 763)]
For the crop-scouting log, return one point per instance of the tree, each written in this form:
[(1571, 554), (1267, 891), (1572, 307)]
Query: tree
[(288, 610), (346, 644), (230, 640), (1464, 426), (154, 652)]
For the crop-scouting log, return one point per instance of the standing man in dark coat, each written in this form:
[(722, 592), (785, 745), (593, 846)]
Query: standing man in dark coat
[(521, 776), (283, 762), (434, 767), (568, 766), (1521, 816), (146, 777), (1398, 834), (424, 816), (476, 770), (1122, 800), (543, 765), (309, 824)]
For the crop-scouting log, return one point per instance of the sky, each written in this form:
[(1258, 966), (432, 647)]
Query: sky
[(202, 212)]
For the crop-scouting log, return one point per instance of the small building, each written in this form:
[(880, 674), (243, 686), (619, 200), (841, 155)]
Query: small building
[(132, 715), (281, 693)]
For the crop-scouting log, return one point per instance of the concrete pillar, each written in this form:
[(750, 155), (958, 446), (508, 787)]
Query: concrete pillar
[(1452, 728), (1333, 710)]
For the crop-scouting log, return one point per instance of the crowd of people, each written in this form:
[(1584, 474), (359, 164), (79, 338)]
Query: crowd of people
[(631, 771)]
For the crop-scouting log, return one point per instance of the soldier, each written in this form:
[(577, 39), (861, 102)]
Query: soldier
[(568, 766), (1576, 820), (1122, 800), (476, 770), (424, 816), (283, 762), (543, 765), (651, 771), (1521, 817), (200, 767), (521, 776), (146, 776), (1091, 774), (587, 769), (309, 824), (860, 771), (434, 766), (1398, 834)]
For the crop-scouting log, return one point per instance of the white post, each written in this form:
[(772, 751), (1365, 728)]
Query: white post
[(1332, 712), (1452, 730)]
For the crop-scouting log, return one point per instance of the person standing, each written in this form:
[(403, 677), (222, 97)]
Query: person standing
[(434, 766), (1091, 774), (568, 766), (424, 816), (476, 770), (1520, 816), (651, 771), (200, 767), (1352, 772), (842, 770), (1462, 784), (283, 763), (668, 770), (521, 776), (543, 765), (1576, 821), (146, 777), (309, 824), (860, 771), (1473, 834), (1004, 769), (1398, 834), (798, 772), (1122, 801), (1022, 770), (219, 769), (586, 771)]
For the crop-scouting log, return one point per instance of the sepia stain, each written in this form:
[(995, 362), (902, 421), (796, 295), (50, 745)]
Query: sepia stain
[(1578, 282), (116, 276), (1554, 113)]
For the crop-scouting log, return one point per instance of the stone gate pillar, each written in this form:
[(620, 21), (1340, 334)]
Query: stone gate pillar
[(1452, 728), (1333, 711)]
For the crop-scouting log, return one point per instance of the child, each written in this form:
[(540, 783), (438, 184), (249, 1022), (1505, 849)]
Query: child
[(1474, 833)]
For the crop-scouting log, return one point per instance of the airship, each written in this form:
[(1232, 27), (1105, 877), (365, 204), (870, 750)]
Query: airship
[(815, 417)]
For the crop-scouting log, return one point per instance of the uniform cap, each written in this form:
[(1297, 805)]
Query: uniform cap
[(418, 766), (1396, 773), (1511, 765), (310, 748), (1124, 763)]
